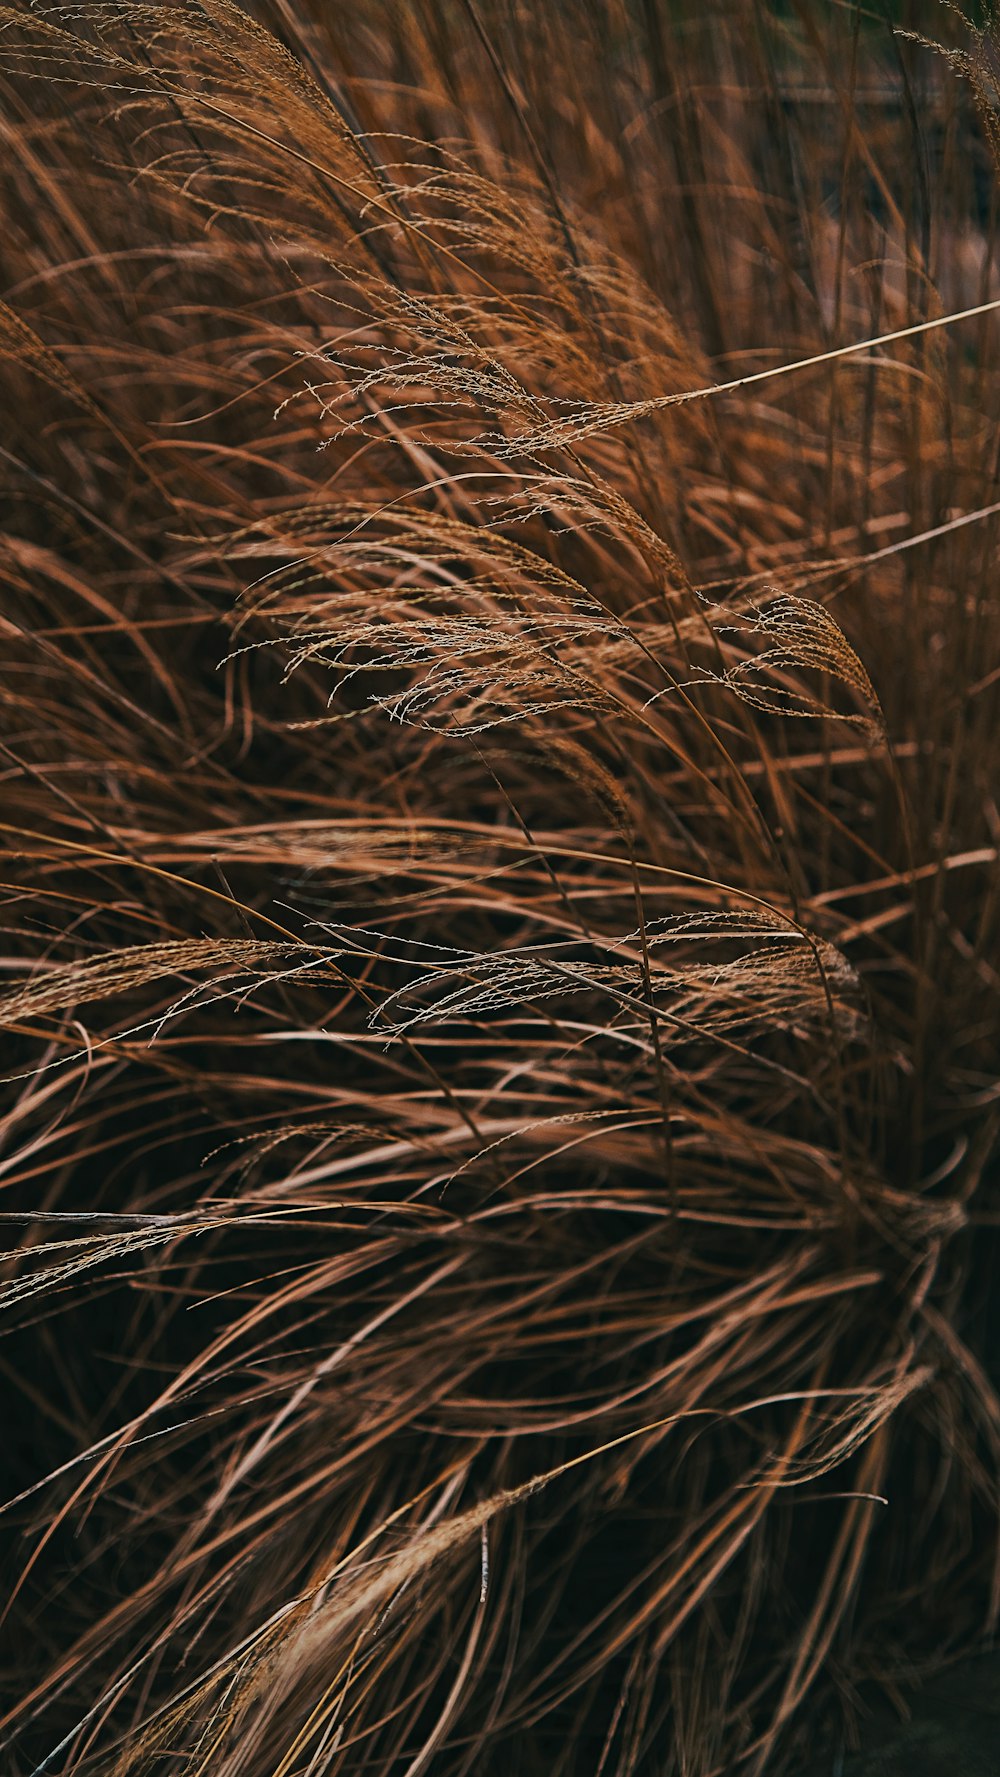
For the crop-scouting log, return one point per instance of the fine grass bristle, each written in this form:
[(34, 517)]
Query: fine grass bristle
[(500, 746)]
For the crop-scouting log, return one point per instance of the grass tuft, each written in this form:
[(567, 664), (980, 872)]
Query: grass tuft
[(500, 744)]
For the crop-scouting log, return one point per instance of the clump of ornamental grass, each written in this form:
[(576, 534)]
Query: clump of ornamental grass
[(501, 735)]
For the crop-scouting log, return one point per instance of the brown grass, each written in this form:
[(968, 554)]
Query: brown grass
[(501, 731)]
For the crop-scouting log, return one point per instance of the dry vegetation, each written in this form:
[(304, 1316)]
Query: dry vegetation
[(501, 730)]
